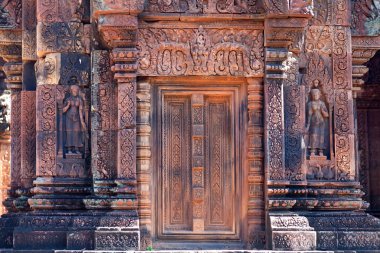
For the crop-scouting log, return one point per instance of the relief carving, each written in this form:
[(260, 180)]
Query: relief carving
[(60, 37), (214, 6), (60, 10), (201, 51), (75, 127), (317, 113)]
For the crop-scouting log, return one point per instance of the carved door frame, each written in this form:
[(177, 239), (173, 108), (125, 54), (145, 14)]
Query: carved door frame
[(239, 87)]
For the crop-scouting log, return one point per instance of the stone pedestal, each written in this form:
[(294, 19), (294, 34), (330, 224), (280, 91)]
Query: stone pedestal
[(323, 231)]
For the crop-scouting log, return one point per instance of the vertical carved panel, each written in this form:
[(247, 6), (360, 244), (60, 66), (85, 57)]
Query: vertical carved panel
[(363, 151), (275, 129), (46, 127), (342, 79), (28, 137), (16, 138), (294, 122), (103, 117), (198, 187), (176, 162), (219, 172), (29, 23)]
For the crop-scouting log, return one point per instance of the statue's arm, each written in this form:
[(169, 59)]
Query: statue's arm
[(66, 107), (81, 115), (324, 110), (309, 113)]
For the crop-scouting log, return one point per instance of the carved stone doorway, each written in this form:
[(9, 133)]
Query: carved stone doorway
[(198, 162)]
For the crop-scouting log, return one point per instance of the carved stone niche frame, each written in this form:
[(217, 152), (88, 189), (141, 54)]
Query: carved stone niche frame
[(197, 94), (320, 167)]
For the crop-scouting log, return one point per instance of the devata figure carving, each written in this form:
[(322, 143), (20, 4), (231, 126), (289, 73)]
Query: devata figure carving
[(316, 114), (75, 124)]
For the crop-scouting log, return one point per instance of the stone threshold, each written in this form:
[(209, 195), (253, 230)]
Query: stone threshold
[(175, 251)]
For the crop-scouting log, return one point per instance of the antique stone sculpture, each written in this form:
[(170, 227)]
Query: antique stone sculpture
[(317, 114), (75, 124)]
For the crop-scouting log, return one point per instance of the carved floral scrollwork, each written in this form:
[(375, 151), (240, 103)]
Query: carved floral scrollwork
[(230, 52), (197, 6)]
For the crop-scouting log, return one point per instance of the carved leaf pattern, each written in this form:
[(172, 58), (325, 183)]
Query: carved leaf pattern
[(235, 52)]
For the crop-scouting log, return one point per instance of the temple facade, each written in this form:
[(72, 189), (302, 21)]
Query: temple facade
[(189, 124)]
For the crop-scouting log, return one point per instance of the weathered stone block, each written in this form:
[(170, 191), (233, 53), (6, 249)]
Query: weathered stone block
[(101, 64), (46, 108), (104, 106), (80, 240), (128, 7), (60, 37), (60, 10), (294, 240), (64, 69), (6, 237), (114, 240), (39, 240), (46, 153), (103, 154)]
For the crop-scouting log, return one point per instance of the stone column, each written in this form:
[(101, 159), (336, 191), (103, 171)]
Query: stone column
[(255, 157)]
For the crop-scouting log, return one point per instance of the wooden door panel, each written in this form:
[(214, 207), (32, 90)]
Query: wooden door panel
[(219, 169), (176, 163), (198, 164)]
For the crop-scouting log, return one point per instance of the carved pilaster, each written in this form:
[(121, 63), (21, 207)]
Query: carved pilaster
[(144, 167), (125, 67), (117, 26), (103, 131), (255, 162)]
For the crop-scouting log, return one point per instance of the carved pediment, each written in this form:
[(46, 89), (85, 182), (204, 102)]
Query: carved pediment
[(202, 51)]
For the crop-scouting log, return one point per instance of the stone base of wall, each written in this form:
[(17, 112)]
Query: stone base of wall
[(324, 231), (70, 231)]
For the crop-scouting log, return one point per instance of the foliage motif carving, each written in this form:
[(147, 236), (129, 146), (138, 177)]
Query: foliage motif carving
[(215, 6), (127, 104), (127, 155), (232, 52), (60, 10), (319, 38), (274, 125), (293, 101), (60, 37), (16, 137), (28, 136)]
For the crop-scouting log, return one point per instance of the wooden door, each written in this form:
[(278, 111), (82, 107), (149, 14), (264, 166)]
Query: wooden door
[(198, 164)]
